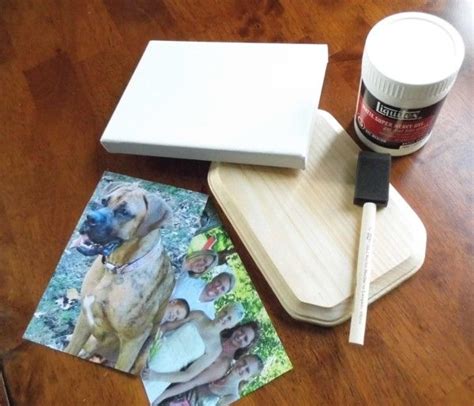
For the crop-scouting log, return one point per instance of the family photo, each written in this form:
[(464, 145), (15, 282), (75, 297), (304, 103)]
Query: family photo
[(217, 343), (111, 289)]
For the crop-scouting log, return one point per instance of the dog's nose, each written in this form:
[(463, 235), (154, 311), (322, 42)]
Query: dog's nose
[(95, 218)]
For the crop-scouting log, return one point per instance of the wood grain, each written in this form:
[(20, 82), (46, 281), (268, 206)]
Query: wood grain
[(302, 228), (63, 67)]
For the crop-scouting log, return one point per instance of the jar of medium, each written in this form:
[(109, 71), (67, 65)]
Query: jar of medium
[(409, 65)]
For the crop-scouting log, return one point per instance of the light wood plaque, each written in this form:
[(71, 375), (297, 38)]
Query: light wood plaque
[(302, 229)]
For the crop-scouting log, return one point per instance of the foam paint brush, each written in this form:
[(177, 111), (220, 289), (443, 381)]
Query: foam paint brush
[(371, 191)]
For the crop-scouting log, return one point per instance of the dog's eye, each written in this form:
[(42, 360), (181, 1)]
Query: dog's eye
[(123, 212), (104, 202)]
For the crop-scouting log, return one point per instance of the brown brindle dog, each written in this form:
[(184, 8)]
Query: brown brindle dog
[(126, 290)]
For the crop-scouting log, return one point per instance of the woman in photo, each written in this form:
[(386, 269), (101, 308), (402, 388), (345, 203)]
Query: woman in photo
[(237, 341), (198, 262), (195, 340), (223, 391)]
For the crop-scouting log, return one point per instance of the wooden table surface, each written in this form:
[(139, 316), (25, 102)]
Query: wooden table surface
[(63, 67)]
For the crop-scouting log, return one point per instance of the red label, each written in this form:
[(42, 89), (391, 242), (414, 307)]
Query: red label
[(390, 126)]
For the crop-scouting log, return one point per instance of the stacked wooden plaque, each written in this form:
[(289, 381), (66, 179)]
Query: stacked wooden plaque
[(302, 229)]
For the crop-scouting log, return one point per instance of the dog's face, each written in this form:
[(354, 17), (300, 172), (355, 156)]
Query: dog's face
[(125, 212)]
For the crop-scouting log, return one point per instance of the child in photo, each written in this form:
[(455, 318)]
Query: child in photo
[(201, 295), (177, 309)]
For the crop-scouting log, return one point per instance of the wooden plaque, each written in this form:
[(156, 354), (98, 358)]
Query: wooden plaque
[(302, 229)]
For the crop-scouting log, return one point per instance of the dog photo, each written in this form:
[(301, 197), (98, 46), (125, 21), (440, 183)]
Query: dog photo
[(113, 284)]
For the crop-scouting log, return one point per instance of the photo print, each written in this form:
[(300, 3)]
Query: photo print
[(113, 283), (216, 343)]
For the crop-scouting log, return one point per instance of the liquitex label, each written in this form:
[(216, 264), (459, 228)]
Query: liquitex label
[(393, 127)]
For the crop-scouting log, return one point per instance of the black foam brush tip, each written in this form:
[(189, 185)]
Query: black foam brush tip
[(372, 178)]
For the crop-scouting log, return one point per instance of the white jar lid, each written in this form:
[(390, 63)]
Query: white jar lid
[(412, 56)]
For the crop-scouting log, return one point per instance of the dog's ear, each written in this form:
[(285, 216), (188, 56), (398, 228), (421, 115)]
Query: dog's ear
[(112, 187), (158, 214)]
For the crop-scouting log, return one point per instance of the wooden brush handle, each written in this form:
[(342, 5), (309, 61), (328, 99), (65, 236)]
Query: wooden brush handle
[(364, 268)]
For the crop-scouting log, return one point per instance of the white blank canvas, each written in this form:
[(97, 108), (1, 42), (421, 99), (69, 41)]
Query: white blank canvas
[(234, 102)]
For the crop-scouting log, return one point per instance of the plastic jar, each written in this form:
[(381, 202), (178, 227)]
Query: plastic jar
[(409, 65)]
